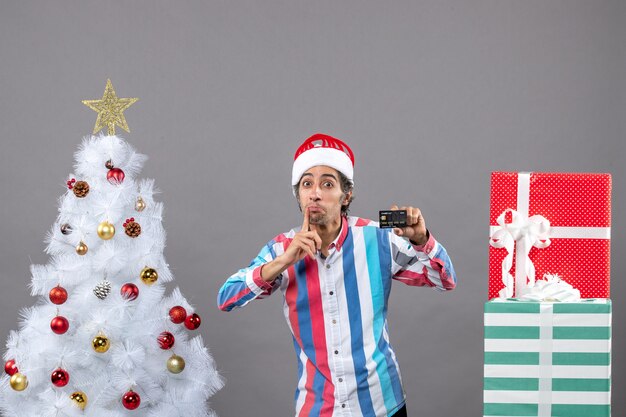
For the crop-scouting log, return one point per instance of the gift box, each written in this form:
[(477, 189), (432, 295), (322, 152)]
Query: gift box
[(550, 222), (546, 359)]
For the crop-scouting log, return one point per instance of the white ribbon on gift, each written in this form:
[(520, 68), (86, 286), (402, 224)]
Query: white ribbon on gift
[(523, 233), (550, 288), (546, 330)]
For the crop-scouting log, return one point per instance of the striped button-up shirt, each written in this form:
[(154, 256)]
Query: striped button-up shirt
[(336, 309)]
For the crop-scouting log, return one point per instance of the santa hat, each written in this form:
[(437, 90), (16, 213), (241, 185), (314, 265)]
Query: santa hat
[(322, 149)]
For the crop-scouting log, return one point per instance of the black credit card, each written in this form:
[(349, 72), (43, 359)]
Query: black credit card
[(392, 218)]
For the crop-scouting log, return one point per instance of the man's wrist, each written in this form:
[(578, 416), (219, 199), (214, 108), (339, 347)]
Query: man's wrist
[(271, 270), (423, 241)]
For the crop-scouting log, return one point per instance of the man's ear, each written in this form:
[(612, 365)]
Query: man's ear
[(347, 199)]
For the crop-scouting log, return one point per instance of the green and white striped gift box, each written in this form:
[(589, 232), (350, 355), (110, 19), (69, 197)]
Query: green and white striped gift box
[(546, 359)]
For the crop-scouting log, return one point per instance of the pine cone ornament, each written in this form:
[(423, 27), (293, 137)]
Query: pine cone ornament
[(102, 290), (132, 228), (81, 189)]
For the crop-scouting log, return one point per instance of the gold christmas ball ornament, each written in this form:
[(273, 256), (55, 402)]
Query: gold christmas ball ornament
[(79, 398), (175, 364), (140, 204), (19, 382), (106, 230), (101, 343), (149, 275), (81, 248)]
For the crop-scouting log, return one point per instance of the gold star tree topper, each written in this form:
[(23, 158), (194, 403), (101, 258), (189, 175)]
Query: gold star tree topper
[(110, 110)]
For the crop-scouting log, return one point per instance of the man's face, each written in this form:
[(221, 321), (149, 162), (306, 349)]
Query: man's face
[(320, 192)]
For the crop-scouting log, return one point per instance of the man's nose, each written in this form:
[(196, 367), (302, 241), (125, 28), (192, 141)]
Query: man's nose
[(315, 194)]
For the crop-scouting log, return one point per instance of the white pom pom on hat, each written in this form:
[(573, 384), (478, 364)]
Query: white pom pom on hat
[(322, 149)]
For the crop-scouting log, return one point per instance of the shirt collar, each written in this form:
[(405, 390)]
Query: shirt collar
[(338, 242)]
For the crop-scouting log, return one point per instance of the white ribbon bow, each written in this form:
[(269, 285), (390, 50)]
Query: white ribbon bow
[(550, 288), (525, 232)]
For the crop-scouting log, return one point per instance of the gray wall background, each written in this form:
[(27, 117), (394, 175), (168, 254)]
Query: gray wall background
[(431, 95)]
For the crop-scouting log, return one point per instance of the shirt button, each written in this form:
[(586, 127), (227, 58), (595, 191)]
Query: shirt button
[(336, 352), (340, 379), (331, 293), (343, 406), (334, 321), (327, 266)]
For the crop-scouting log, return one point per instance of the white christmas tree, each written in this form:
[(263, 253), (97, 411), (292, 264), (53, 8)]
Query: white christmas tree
[(104, 339)]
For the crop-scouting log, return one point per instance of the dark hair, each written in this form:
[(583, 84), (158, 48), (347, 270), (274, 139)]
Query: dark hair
[(346, 187)]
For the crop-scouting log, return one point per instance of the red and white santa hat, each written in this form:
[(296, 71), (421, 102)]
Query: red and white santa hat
[(322, 149)]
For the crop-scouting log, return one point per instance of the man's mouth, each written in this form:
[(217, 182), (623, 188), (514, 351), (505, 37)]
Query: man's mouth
[(315, 209)]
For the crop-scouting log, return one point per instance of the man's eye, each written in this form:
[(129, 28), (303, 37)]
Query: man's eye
[(306, 183), (328, 184)]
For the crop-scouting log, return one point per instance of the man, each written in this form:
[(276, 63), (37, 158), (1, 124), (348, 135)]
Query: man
[(335, 275)]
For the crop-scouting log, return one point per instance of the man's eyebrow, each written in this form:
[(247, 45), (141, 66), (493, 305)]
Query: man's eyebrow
[(323, 175)]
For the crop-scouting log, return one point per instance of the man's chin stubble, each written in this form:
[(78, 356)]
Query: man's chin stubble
[(318, 220)]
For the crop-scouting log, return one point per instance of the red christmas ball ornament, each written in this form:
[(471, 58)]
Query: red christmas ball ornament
[(192, 322), (129, 291), (131, 400), (58, 295), (60, 377), (115, 176), (59, 325), (178, 314), (166, 340), (10, 367)]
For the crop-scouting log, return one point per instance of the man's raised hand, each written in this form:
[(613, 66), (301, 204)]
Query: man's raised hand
[(416, 225), (305, 242)]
